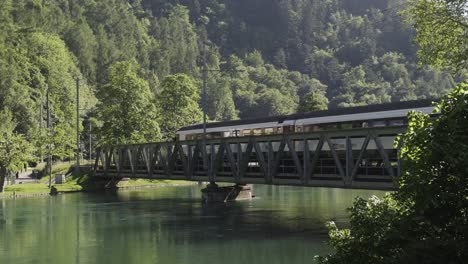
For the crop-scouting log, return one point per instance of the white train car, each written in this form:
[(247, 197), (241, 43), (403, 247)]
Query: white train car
[(390, 114)]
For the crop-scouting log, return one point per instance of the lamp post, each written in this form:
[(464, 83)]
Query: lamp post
[(90, 139), (49, 154), (78, 142), (204, 101), (77, 124)]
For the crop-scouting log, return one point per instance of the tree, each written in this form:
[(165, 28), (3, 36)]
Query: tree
[(55, 73), (313, 101), (15, 151), (220, 104), (425, 220), (357, 90), (442, 30), (279, 60), (81, 41), (178, 103), (127, 108), (272, 102), (179, 49)]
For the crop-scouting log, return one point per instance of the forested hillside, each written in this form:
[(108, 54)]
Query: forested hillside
[(264, 58)]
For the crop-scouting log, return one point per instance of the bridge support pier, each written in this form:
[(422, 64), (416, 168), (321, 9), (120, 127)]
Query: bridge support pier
[(215, 194)]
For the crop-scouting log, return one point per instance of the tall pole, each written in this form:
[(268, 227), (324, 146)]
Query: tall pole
[(49, 155), (90, 138), (77, 124), (204, 99), (41, 120)]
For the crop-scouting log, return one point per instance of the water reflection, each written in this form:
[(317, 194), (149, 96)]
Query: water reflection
[(171, 225)]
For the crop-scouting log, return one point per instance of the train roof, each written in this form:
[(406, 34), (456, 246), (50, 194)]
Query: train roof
[(332, 112)]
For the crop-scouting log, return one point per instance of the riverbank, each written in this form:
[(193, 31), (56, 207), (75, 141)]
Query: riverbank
[(82, 183)]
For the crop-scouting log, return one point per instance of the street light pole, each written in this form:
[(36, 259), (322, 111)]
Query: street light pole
[(204, 99), (41, 120), (90, 138), (49, 155), (77, 124)]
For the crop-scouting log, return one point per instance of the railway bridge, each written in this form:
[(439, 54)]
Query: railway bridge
[(349, 158)]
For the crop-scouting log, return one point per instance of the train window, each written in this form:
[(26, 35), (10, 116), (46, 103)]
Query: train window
[(220, 134), (257, 131), (358, 124), (279, 130), (307, 128), (396, 122), (269, 131), (236, 133), (299, 128), (311, 128), (378, 123), (246, 132), (288, 129), (329, 126), (346, 125)]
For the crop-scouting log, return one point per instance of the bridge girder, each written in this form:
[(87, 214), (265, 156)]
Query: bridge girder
[(354, 158)]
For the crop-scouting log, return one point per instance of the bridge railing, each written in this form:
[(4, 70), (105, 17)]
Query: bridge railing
[(354, 158)]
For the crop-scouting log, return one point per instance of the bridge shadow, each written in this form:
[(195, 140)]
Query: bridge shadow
[(187, 219)]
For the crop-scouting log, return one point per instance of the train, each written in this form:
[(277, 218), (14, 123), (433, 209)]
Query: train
[(379, 115)]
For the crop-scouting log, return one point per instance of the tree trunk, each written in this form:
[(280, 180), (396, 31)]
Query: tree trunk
[(3, 173)]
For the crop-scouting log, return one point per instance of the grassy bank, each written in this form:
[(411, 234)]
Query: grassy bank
[(29, 189), (81, 183), (151, 183)]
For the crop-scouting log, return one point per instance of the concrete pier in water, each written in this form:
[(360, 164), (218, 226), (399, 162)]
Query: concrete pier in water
[(215, 194)]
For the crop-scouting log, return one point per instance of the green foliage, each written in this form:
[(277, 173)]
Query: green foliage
[(126, 108), (374, 236), (324, 39), (56, 71), (435, 158), (178, 50), (219, 103), (178, 103), (299, 55), (442, 32), (426, 220), (263, 90), (358, 90), (313, 101), (15, 150)]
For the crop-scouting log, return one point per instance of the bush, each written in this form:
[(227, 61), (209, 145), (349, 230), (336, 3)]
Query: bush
[(426, 220)]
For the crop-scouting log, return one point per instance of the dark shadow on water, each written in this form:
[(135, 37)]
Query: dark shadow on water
[(187, 219)]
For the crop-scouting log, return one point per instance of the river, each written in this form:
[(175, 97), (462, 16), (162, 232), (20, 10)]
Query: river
[(170, 225)]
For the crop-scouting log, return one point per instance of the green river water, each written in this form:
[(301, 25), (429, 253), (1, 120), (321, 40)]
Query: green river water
[(170, 225)]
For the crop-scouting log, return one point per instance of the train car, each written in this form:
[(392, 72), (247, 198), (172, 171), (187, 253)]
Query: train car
[(389, 114)]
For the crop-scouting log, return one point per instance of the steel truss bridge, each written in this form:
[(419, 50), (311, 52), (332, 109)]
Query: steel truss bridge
[(354, 158)]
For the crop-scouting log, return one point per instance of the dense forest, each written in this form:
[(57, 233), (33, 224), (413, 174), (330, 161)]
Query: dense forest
[(141, 59)]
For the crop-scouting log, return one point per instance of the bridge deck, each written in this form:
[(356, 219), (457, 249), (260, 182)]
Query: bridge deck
[(354, 158)]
